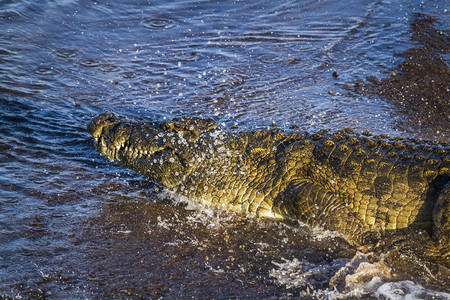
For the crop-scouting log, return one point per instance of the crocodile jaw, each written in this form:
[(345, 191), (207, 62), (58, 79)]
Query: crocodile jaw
[(100, 127), (118, 141), (138, 146)]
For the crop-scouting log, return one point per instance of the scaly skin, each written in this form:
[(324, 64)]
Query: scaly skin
[(362, 186)]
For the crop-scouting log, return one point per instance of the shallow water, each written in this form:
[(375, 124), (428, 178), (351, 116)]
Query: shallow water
[(74, 225)]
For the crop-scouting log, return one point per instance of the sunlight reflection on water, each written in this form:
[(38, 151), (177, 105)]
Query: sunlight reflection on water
[(73, 225)]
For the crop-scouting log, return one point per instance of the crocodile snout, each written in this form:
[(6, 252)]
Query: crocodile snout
[(96, 125)]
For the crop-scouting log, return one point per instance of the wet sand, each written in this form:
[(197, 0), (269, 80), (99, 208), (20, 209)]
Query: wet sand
[(420, 85)]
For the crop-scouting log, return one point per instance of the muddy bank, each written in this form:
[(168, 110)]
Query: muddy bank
[(420, 85)]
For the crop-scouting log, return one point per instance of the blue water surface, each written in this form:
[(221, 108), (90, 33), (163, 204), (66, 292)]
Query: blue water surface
[(74, 225)]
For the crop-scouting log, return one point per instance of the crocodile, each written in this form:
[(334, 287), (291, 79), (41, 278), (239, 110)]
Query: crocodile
[(360, 185)]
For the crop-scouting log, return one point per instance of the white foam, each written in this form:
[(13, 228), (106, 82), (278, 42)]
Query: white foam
[(205, 213), (361, 279), (177, 198), (299, 274), (360, 271), (320, 234), (407, 290), (290, 273)]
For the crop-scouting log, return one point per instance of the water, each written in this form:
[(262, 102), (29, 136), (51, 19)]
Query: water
[(74, 225)]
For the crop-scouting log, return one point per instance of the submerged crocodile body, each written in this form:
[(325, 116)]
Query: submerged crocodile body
[(360, 185)]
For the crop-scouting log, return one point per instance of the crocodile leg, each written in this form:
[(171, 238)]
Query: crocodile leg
[(316, 206), (441, 215)]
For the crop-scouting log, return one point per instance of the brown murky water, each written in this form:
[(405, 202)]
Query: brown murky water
[(73, 225)]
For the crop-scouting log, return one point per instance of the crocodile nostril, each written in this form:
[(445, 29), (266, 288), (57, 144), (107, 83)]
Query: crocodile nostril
[(96, 125)]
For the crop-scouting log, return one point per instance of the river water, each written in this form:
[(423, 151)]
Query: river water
[(73, 225)]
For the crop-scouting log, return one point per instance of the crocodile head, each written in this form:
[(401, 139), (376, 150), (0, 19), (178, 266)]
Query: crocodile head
[(164, 152)]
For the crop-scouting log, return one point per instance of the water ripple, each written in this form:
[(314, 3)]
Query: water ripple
[(185, 55), (90, 62), (109, 67), (160, 23), (5, 52), (271, 58), (65, 52), (46, 70)]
